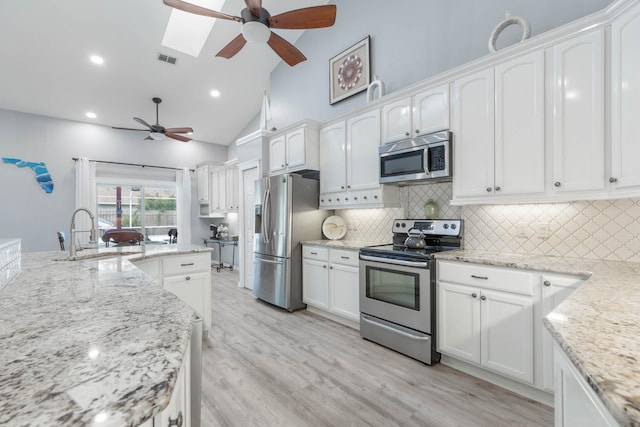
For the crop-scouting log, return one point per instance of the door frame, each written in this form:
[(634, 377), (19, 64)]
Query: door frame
[(242, 167)]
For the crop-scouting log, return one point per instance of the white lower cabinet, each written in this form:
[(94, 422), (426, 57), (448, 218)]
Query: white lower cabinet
[(188, 276), (492, 317), (330, 281), (178, 413), (576, 404)]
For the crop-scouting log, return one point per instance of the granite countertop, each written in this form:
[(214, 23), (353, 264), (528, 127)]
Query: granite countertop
[(344, 244), (598, 325), (94, 339)]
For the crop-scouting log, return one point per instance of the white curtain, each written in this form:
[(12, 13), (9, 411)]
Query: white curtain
[(183, 185), (85, 197)]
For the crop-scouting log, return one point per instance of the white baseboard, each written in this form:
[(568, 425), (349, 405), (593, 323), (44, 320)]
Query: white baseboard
[(525, 390), (331, 316)]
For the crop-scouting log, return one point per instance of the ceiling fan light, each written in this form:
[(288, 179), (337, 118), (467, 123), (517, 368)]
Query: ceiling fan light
[(255, 32), (156, 135)]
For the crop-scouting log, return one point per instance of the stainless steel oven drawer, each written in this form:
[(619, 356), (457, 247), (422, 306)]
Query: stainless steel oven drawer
[(403, 340)]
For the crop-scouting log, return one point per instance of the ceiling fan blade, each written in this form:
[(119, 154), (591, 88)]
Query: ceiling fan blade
[(254, 6), (178, 137), (143, 130), (288, 52), (192, 8), (305, 18), (232, 47), (142, 122), (179, 130)]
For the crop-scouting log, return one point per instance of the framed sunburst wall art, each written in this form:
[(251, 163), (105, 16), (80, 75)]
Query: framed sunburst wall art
[(349, 71)]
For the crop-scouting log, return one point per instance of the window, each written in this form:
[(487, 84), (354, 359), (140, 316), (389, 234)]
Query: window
[(148, 209)]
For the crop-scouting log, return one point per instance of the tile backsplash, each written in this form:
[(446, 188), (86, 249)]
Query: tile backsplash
[(598, 229)]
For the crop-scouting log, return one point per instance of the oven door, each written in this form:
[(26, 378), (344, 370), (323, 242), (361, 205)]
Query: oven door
[(396, 291)]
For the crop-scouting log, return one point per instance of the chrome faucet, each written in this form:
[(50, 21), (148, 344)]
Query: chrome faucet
[(92, 236)]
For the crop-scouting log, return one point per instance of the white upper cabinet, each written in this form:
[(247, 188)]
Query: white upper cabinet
[(422, 113), (473, 133), (578, 113), (203, 183), (294, 149), (350, 164), (498, 130), (333, 158), (625, 99)]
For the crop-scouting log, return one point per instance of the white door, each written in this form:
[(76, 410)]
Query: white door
[(578, 105), (459, 321), (507, 334), (249, 177), (519, 126), (473, 121)]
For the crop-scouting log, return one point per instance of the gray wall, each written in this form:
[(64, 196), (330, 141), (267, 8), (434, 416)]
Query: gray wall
[(27, 212), (411, 40)]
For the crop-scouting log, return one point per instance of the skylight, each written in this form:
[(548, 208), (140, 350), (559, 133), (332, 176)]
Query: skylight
[(187, 32)]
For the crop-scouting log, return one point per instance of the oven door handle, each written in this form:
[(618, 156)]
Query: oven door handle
[(419, 264), (394, 330)]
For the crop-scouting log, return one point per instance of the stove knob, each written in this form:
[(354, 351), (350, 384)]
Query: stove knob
[(404, 225), (446, 226), (397, 224), (453, 226)]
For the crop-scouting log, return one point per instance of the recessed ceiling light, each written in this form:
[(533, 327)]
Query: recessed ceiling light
[(96, 59), (91, 115), (215, 93)]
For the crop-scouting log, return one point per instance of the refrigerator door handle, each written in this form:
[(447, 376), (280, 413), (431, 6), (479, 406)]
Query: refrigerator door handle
[(266, 217), (269, 261)]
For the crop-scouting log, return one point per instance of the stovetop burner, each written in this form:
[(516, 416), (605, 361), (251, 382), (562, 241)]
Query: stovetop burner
[(440, 235)]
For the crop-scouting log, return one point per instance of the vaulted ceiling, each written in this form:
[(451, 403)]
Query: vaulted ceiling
[(45, 48)]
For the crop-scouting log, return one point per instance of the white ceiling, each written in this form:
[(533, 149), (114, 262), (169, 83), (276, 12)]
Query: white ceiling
[(45, 69)]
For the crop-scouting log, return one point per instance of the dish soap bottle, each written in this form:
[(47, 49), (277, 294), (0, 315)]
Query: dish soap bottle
[(431, 209)]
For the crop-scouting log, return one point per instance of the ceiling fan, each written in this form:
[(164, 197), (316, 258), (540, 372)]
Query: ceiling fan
[(257, 24), (157, 132)]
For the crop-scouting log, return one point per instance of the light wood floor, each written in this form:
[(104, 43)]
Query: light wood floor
[(263, 366)]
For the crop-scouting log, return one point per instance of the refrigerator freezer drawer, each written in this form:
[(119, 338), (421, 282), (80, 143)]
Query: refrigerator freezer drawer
[(272, 282)]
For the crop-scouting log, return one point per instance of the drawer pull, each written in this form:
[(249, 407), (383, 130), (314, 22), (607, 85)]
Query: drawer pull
[(345, 257), (186, 265), (314, 253), (177, 421), (479, 277)]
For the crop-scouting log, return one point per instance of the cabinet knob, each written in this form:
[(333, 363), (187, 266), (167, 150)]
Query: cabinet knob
[(321, 200), (348, 186), (286, 164), (346, 199), (417, 131), (342, 187), (365, 197), (187, 278), (612, 180), (281, 166), (330, 268), (483, 298), (177, 421), (407, 134), (375, 197), (324, 266), (498, 188), (488, 189), (557, 184), (474, 295), (355, 197), (546, 283)]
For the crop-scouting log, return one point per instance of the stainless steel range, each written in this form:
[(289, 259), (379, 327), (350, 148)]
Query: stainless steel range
[(397, 287)]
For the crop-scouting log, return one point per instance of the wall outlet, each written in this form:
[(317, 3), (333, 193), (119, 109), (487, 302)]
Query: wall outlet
[(541, 229), (523, 230)]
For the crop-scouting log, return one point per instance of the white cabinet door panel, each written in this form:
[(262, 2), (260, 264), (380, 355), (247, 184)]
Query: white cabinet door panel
[(277, 154), (345, 290), (519, 126), (333, 157), (459, 321), (296, 146), (192, 289), (473, 130), (315, 283), (578, 105), (431, 111), (363, 161), (507, 334), (396, 120), (625, 76)]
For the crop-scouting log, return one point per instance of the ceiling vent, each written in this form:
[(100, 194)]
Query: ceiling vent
[(166, 58)]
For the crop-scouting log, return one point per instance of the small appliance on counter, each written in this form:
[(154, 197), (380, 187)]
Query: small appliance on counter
[(214, 231), (397, 286), (222, 231)]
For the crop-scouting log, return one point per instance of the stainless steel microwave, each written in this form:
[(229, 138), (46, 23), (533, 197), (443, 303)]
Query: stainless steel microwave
[(416, 159)]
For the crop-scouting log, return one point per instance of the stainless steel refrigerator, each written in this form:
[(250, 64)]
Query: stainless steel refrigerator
[(286, 213)]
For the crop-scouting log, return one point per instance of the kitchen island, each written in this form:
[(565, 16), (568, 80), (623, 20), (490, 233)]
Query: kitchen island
[(597, 326), (90, 342)]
